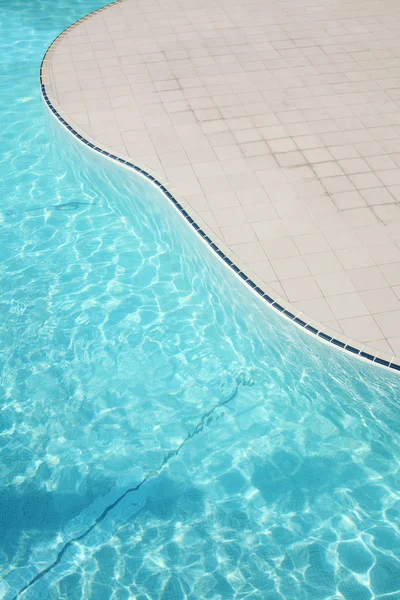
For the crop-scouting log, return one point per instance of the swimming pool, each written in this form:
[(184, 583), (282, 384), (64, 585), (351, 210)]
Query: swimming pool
[(163, 434)]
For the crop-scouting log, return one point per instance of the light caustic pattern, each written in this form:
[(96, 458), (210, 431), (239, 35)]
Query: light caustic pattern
[(163, 434)]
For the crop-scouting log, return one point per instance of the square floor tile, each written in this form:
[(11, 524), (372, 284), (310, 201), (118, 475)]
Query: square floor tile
[(346, 306), (317, 155), (361, 329), (389, 323), (249, 252), (391, 273), (233, 215), (260, 212), (376, 196), (264, 270), (368, 278), (337, 184), (354, 165), (279, 248), (381, 345), (384, 254), (301, 288), (373, 234), (354, 258), (395, 345), (381, 162), (301, 224), (266, 230), (222, 200), (327, 169), (343, 152), (315, 308), (310, 243), (282, 145), (323, 262), (290, 268), (380, 300), (388, 212), (390, 177), (346, 200), (238, 234), (333, 284), (253, 196), (364, 181), (360, 217)]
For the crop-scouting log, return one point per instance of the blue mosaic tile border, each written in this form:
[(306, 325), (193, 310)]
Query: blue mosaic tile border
[(320, 334)]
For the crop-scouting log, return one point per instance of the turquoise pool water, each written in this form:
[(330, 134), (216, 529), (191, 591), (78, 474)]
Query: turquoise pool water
[(163, 434)]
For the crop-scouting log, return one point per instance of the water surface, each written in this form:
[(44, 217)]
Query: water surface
[(163, 433)]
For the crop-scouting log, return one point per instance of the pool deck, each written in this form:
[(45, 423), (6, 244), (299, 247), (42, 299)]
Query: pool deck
[(275, 123)]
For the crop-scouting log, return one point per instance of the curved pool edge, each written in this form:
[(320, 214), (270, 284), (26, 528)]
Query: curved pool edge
[(298, 318)]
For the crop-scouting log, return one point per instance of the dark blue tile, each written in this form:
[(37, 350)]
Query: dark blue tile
[(352, 349), (312, 329), (300, 321), (380, 361), (268, 298), (278, 307), (366, 355), (338, 343), (288, 314), (324, 336)]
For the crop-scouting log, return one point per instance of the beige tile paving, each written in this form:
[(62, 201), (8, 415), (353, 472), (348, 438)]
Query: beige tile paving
[(276, 123)]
